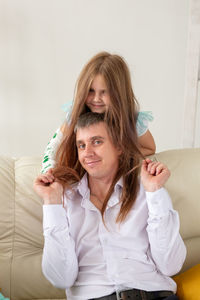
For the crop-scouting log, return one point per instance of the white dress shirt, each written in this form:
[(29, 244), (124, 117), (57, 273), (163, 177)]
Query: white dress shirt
[(90, 260)]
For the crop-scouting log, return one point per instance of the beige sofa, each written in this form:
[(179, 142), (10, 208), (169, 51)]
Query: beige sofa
[(21, 239)]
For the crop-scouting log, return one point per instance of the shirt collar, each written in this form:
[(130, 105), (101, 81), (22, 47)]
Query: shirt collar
[(119, 183), (82, 186), (116, 195), (84, 191)]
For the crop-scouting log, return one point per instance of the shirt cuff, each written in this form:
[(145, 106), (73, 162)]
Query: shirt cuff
[(159, 202), (54, 215)]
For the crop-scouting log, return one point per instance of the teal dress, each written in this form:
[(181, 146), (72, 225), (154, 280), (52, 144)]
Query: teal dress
[(3, 298)]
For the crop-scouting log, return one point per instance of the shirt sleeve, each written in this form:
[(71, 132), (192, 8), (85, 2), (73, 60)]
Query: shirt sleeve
[(50, 151), (59, 261), (166, 245), (142, 123)]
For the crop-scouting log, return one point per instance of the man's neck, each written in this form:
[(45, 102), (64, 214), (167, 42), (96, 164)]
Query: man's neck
[(99, 187)]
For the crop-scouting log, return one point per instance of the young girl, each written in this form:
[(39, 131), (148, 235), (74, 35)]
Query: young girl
[(104, 85)]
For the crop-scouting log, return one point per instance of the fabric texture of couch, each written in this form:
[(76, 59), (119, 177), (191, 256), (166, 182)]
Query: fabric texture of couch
[(21, 238)]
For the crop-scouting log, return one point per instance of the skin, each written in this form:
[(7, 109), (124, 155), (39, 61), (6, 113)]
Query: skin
[(99, 157), (153, 175), (98, 100)]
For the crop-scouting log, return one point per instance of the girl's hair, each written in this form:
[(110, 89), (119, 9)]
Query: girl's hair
[(121, 120)]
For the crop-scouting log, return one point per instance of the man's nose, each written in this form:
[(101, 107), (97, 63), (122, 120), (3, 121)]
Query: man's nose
[(88, 150)]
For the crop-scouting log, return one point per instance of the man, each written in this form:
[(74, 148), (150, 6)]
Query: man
[(97, 245)]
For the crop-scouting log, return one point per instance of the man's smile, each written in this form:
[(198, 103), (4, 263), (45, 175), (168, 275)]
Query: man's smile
[(92, 163)]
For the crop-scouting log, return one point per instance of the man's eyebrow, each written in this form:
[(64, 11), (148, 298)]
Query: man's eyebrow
[(99, 137)]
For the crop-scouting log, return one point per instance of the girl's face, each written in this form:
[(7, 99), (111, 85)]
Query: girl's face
[(98, 99)]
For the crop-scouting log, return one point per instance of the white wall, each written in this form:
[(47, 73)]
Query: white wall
[(191, 129), (44, 44)]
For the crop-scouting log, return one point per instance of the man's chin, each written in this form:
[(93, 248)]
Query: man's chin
[(94, 174)]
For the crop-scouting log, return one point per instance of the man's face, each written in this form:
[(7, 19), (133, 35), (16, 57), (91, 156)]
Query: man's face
[(96, 152)]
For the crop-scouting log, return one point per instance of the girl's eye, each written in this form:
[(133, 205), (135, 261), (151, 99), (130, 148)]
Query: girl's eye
[(105, 92)]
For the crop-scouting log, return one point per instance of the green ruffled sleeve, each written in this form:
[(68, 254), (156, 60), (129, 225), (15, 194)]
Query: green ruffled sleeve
[(50, 151)]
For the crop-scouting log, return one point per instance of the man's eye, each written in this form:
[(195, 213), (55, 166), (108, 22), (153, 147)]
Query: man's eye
[(91, 91), (81, 146), (97, 142)]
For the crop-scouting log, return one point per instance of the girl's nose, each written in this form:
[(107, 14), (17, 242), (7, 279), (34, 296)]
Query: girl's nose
[(96, 97)]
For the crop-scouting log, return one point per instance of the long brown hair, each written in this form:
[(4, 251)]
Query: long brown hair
[(120, 119)]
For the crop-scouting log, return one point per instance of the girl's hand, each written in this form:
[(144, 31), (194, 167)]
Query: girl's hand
[(153, 175)]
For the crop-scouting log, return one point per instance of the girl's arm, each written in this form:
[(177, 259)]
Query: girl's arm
[(48, 161), (145, 138), (147, 143)]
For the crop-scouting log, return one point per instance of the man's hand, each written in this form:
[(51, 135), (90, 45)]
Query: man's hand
[(153, 175), (48, 188)]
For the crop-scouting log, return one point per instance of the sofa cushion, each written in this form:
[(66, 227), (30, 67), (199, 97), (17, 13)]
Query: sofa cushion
[(183, 187), (21, 238)]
